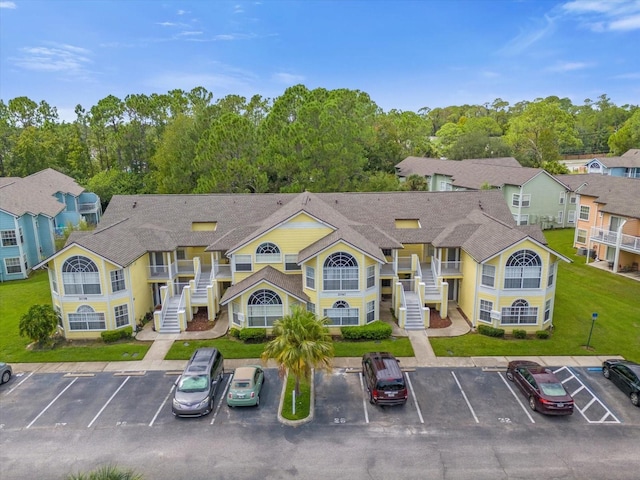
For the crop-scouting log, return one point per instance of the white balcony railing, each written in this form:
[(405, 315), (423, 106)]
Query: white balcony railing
[(609, 237)]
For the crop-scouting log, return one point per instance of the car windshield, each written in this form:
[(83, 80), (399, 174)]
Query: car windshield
[(553, 389), (242, 384), (193, 383)]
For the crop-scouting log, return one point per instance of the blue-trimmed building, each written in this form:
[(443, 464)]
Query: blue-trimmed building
[(33, 210)]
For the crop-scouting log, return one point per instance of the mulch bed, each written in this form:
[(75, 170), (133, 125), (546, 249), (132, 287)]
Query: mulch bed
[(200, 323), (436, 322)]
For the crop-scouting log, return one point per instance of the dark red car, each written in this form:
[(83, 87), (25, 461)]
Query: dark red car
[(545, 392)]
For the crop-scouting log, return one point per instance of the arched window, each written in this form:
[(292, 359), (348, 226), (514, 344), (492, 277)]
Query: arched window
[(80, 276), (519, 313), (340, 272), (268, 253), (263, 308), (342, 314), (523, 270), (86, 318)]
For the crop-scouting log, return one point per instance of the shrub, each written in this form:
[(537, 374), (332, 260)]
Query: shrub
[(253, 335), (234, 332), (373, 331), (542, 334), (490, 331), (110, 336), (517, 333)]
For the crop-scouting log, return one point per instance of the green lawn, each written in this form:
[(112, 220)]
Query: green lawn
[(16, 298), (231, 348), (581, 290)]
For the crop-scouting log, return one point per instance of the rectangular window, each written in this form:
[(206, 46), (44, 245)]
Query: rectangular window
[(573, 199), (311, 307), (291, 263), (581, 237), (571, 216), (371, 276), (243, 263), (81, 283), (552, 274), (584, 212), (386, 282), (445, 186), (56, 309), (12, 265), (521, 201), (560, 216), (342, 316), (54, 282), (547, 311), (485, 310), (8, 238), (522, 277), (563, 195), (371, 311), (488, 275), (121, 313), (181, 254), (117, 281), (310, 277), (263, 315), (342, 278), (386, 252), (519, 315), (521, 219), (87, 321)]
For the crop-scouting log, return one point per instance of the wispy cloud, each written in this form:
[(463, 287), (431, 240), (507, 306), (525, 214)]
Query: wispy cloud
[(569, 66), (527, 38), (627, 76), (187, 34), (11, 5), (287, 78), (218, 78), (605, 16), (172, 24), (55, 57)]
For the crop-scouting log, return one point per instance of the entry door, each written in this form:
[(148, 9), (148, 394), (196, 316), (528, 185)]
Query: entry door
[(453, 289), (615, 223), (157, 263)]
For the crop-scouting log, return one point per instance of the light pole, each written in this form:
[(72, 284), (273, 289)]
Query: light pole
[(594, 315)]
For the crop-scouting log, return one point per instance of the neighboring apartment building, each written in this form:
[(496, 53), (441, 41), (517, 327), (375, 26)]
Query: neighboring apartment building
[(608, 225), (33, 210), (534, 196), (626, 165), (336, 254)]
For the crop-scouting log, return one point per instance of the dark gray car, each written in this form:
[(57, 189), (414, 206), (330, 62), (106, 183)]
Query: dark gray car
[(196, 388), (5, 372)]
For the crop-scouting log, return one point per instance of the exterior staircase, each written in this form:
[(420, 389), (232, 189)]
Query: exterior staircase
[(431, 291), (199, 296), (414, 312), (170, 323)]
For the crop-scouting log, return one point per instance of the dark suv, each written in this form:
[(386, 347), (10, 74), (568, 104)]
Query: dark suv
[(383, 379), (198, 384)]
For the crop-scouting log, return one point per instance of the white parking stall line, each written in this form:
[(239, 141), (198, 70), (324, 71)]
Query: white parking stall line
[(108, 401), (364, 399), (594, 399), (465, 397), (415, 400), (23, 380), (161, 405), (517, 398), (222, 397), (52, 402)]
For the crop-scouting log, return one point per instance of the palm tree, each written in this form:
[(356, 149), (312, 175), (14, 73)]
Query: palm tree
[(301, 342)]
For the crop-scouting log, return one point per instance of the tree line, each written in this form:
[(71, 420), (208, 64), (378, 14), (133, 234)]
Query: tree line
[(318, 140)]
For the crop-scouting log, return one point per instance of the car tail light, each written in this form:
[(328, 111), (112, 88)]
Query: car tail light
[(253, 394), (231, 396), (375, 393)]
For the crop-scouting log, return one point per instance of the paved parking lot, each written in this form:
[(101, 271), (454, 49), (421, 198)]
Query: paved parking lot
[(444, 397)]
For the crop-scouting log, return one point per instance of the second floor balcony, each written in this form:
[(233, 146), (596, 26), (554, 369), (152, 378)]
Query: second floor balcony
[(611, 238)]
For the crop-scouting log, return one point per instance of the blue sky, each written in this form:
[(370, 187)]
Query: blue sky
[(405, 54)]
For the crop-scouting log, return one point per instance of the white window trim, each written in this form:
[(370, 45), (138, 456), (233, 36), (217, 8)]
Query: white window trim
[(588, 213)]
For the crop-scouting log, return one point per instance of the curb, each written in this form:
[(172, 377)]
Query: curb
[(302, 421)]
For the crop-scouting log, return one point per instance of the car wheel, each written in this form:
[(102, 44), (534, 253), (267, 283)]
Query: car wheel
[(258, 401), (371, 400), (6, 376), (211, 402), (634, 399), (510, 376), (606, 372), (532, 403)]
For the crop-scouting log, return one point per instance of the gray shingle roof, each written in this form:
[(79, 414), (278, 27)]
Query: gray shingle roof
[(133, 225), (291, 284), (617, 195), (35, 194), (471, 174), (629, 159)]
